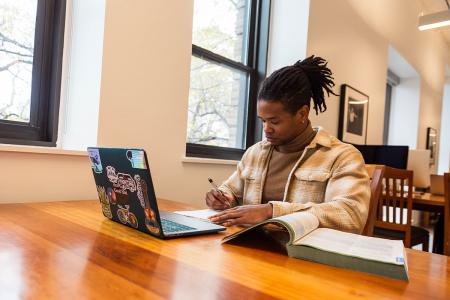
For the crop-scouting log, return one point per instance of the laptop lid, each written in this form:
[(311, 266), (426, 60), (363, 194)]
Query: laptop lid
[(125, 188)]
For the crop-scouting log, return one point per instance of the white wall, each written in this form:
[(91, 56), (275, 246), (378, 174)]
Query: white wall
[(33, 177), (404, 115), (444, 140), (81, 74), (354, 36), (357, 56), (426, 51), (288, 19)]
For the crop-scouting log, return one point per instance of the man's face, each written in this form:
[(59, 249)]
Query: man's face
[(280, 126)]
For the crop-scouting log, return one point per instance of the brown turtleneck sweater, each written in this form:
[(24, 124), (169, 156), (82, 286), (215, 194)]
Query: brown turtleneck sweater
[(282, 161)]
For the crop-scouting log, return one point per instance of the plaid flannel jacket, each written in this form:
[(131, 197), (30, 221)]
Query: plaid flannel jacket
[(329, 181)]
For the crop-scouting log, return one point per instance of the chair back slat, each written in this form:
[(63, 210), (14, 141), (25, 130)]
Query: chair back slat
[(375, 173), (396, 195), (447, 214), (402, 205)]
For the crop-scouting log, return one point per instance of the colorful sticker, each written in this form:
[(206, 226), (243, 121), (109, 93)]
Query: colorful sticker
[(137, 159), (96, 163), (111, 194), (141, 186), (121, 198), (104, 200), (125, 216), (150, 221), (121, 181)]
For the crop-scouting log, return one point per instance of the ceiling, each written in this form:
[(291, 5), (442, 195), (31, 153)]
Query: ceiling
[(433, 6)]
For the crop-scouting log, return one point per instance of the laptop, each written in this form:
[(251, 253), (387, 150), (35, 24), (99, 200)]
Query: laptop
[(437, 184), (126, 194)]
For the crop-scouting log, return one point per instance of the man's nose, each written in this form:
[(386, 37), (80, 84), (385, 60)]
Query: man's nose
[(267, 129)]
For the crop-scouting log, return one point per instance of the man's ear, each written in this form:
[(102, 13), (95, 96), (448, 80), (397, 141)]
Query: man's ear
[(303, 113)]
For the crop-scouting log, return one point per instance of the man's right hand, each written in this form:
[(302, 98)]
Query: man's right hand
[(218, 201)]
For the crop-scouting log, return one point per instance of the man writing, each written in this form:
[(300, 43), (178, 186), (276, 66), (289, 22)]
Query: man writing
[(298, 167)]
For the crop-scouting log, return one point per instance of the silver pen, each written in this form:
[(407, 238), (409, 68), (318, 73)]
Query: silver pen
[(214, 185)]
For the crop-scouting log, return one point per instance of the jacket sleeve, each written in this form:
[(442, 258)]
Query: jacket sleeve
[(234, 185), (347, 195)]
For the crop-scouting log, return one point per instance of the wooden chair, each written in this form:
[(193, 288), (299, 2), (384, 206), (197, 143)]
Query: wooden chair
[(441, 241), (390, 219), (376, 176), (447, 214)]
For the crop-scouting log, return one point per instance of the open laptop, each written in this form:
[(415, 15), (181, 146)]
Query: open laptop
[(127, 196), (437, 184)]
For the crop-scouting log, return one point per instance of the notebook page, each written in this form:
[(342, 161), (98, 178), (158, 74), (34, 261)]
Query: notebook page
[(371, 248), (201, 214)]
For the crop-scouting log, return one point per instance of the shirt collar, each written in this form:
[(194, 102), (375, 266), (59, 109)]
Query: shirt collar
[(322, 138)]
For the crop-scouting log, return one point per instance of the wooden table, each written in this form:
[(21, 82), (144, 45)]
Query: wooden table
[(435, 203), (68, 250)]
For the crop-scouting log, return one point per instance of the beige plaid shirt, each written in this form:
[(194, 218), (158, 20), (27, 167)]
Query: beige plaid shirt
[(329, 181)]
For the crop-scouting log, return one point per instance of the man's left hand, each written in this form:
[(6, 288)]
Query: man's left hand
[(246, 214)]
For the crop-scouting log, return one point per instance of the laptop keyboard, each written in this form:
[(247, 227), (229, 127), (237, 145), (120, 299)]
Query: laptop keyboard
[(169, 226)]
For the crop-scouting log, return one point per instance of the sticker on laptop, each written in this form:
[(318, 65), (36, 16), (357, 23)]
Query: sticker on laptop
[(150, 221), (104, 201), (142, 191), (121, 181), (96, 163), (127, 217), (137, 159), (116, 196)]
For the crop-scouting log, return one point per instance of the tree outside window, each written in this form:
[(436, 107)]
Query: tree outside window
[(17, 28)]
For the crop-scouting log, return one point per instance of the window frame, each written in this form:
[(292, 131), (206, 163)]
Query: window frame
[(42, 128), (258, 37)]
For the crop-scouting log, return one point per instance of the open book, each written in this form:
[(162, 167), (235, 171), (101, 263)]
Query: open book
[(332, 247)]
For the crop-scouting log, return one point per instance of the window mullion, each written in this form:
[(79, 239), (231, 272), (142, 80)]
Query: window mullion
[(217, 58)]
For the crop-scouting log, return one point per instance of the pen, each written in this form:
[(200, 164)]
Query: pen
[(214, 185)]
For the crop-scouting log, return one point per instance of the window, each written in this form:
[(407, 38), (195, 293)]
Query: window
[(229, 49), (31, 44), (392, 81)]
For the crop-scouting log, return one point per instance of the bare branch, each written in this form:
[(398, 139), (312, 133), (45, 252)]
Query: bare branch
[(6, 67), (210, 138), (8, 40), (7, 116), (15, 53), (235, 4)]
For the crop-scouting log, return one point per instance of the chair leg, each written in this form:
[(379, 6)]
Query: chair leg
[(425, 245)]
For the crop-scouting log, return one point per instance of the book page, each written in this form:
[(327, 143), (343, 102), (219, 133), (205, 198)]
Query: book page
[(384, 250), (298, 224), (201, 213), (301, 223)]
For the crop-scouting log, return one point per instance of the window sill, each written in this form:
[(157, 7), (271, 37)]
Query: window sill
[(40, 150), (198, 160)]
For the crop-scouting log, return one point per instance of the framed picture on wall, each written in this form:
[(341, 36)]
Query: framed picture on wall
[(353, 115), (432, 144)]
